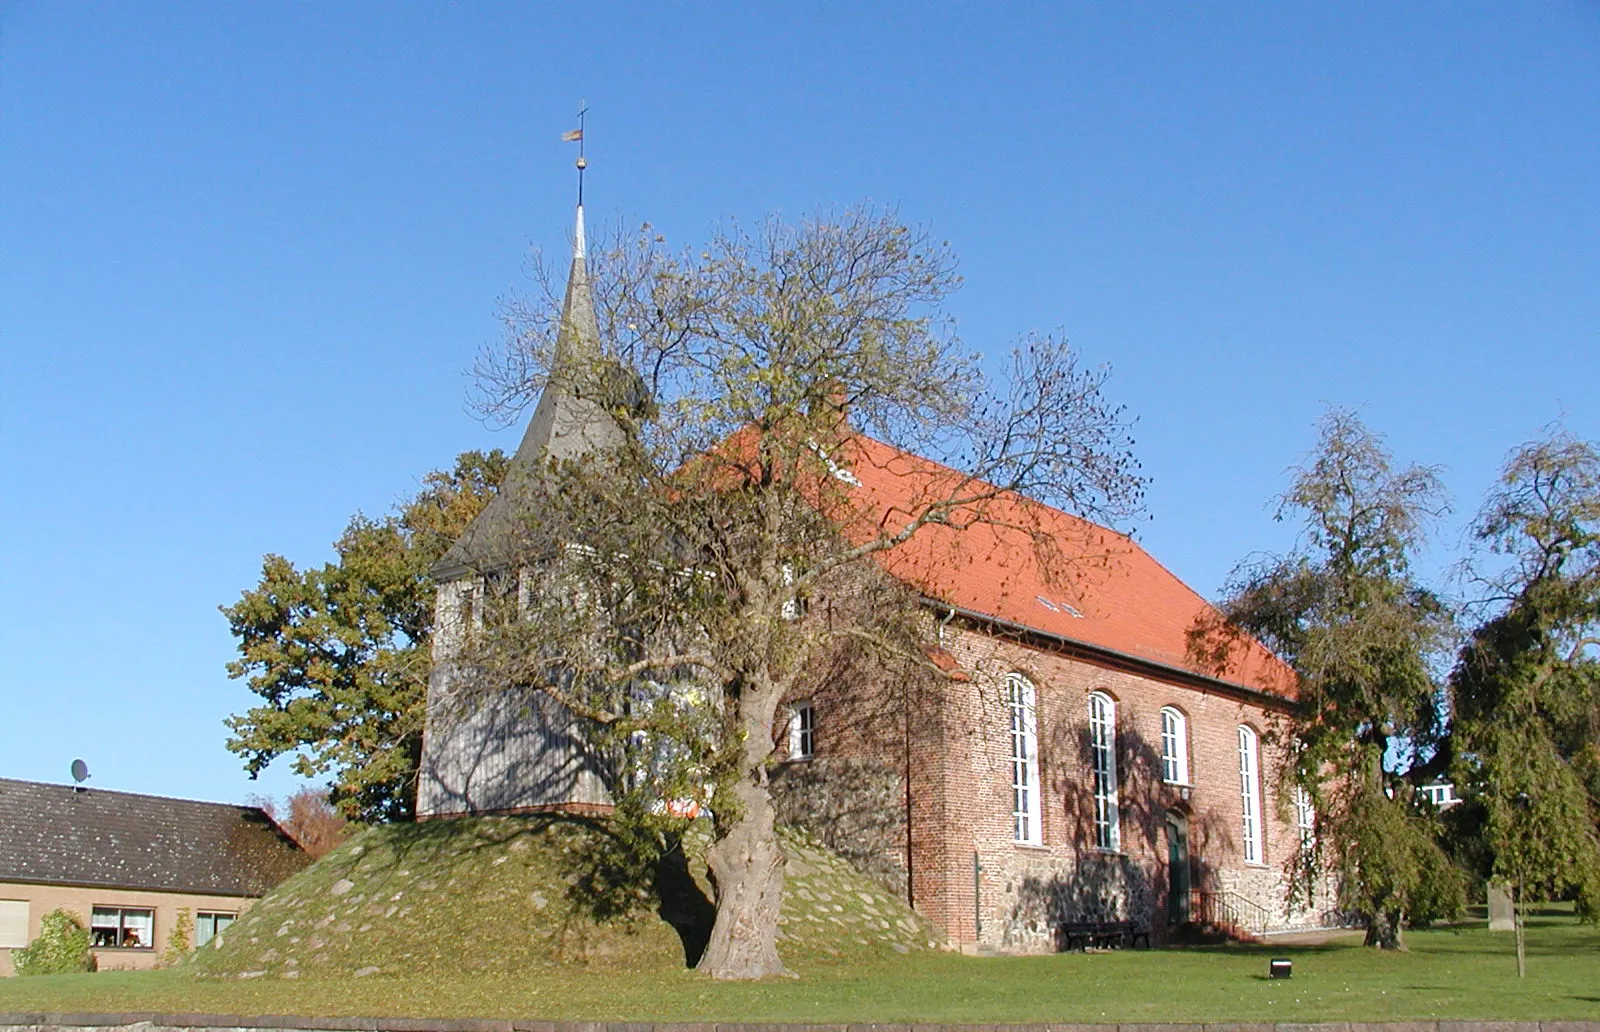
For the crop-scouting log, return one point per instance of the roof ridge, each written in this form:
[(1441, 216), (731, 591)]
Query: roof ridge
[(134, 795)]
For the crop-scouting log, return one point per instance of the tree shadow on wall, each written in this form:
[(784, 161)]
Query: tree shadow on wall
[(1133, 881)]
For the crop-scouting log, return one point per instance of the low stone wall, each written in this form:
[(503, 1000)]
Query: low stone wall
[(240, 1023)]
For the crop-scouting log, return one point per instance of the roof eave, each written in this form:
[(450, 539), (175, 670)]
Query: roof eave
[(1116, 657)]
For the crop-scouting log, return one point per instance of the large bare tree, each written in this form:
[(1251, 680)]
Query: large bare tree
[(727, 541)]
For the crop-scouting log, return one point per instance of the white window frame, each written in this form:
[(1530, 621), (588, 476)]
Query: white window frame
[(802, 730), (1103, 756), (1022, 708), (1174, 746), (1250, 793)]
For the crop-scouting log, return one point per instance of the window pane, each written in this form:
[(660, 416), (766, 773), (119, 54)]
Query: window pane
[(1020, 701), (1103, 750), (1249, 794), (207, 924), (105, 924), (138, 928), (1174, 747)]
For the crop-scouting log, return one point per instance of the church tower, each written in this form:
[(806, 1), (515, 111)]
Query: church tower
[(500, 751)]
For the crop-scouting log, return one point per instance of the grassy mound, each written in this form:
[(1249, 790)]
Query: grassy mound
[(514, 894)]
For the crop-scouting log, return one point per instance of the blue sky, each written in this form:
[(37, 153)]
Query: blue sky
[(248, 253)]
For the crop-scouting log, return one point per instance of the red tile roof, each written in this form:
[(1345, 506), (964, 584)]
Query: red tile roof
[(1023, 562)]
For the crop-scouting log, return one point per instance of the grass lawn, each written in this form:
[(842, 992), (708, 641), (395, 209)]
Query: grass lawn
[(1463, 973)]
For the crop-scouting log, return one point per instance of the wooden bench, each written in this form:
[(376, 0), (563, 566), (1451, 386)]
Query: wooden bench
[(1101, 935)]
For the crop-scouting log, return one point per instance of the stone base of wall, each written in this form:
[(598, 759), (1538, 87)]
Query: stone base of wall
[(854, 807)]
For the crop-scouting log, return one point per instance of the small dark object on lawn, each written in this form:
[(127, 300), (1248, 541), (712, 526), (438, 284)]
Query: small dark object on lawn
[(1278, 967)]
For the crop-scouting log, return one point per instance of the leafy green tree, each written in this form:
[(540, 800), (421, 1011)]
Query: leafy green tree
[(340, 653), (1527, 683), (1345, 611), (717, 556), (61, 948)]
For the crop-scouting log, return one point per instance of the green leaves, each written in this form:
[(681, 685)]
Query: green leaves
[(339, 653), (1363, 638), (1527, 684)]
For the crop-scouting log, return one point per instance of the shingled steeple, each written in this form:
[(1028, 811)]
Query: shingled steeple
[(570, 421)]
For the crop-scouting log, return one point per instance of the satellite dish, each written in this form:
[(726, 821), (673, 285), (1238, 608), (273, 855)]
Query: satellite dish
[(80, 771)]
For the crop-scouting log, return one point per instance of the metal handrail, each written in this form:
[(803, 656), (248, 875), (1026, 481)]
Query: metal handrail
[(1226, 907)]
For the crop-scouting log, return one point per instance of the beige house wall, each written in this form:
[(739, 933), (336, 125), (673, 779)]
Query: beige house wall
[(42, 899)]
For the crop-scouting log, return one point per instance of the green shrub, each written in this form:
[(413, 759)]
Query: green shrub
[(179, 940), (61, 948)]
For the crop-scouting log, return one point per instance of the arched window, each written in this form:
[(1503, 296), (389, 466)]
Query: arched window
[(1250, 793), (1174, 747), (802, 730), (1021, 702), (1103, 753)]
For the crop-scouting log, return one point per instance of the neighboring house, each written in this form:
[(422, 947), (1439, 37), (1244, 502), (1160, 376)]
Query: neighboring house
[(1076, 764), (128, 864)]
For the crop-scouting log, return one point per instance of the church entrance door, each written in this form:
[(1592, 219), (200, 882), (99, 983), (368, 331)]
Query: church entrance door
[(1177, 867)]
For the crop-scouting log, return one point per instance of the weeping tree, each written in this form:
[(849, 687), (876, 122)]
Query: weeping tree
[(724, 548), (1346, 612), (1527, 682)]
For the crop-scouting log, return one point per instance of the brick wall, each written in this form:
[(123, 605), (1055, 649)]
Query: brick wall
[(959, 814)]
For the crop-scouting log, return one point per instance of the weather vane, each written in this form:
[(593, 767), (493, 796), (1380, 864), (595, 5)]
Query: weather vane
[(577, 134)]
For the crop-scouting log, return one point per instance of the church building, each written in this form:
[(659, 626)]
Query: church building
[(1075, 765)]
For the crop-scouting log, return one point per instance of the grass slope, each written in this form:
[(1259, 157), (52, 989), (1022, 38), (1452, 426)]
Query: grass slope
[(502, 895), (1464, 974)]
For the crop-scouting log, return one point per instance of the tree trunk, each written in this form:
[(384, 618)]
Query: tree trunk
[(1386, 930), (746, 866)]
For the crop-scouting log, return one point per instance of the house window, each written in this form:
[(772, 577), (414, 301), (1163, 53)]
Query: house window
[(208, 923), (1021, 702), (802, 731), (1174, 747), (128, 928), (13, 923), (1250, 794), (1103, 752), (1305, 817), (1440, 794)]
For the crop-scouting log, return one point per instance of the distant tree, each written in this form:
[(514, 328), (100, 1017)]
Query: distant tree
[(61, 948), (1527, 682), (712, 562), (1345, 611), (340, 653), (309, 818)]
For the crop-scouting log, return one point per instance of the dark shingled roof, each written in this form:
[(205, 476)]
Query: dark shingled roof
[(56, 834)]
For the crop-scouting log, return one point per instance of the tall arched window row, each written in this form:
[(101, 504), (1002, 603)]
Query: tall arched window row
[(1103, 755), (1021, 702), (1250, 793), (1174, 747)]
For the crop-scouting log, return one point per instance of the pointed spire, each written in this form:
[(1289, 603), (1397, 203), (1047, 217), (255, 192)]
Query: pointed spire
[(568, 423)]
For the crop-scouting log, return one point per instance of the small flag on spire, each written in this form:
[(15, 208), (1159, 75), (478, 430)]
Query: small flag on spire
[(571, 135)]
